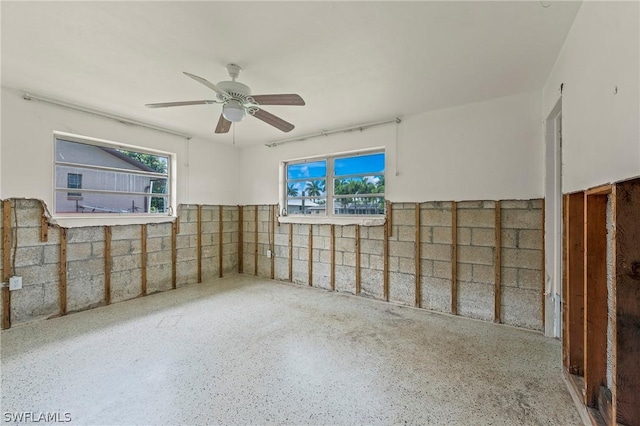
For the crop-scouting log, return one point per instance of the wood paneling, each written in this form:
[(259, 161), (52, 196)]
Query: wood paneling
[(595, 276), (626, 372)]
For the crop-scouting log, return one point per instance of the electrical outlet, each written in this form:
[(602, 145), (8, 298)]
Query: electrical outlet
[(15, 283), (269, 254)]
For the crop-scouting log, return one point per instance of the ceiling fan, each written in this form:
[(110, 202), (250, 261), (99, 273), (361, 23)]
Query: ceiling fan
[(237, 102)]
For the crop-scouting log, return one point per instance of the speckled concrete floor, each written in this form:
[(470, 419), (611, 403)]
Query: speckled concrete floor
[(249, 351)]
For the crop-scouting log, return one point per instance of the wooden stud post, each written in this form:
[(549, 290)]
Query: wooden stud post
[(595, 309), (63, 271), (174, 254), (220, 241), (454, 258), (497, 263), (626, 368), (273, 243), (389, 217), (6, 263), (310, 255), (199, 243), (107, 265), (543, 266), (255, 243), (44, 226), (573, 268), (291, 252), (418, 294), (385, 254), (358, 273), (333, 257), (143, 258), (240, 239)]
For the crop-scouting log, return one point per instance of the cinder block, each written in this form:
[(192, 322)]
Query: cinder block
[(25, 303), (85, 234), (442, 269), (536, 203), (465, 272), (401, 249), (476, 218), (27, 216), (435, 294), (476, 255), (345, 279), (349, 231), (349, 259), (121, 247), (78, 251), (158, 230), (509, 277), (121, 263), (469, 204), (345, 244), (509, 238), (406, 233), (483, 274), (376, 232), (393, 264), (530, 279), (52, 254), (522, 308), (26, 256), (324, 230), (426, 234), (300, 272), (522, 219), (464, 236), (483, 237), (522, 258), (126, 232), (515, 204), (403, 218), (281, 269), (371, 283), (441, 235), (435, 217), (159, 278), (86, 293), (28, 237), (376, 262), (530, 239), (435, 251), (125, 285), (38, 274), (475, 300), (426, 268), (406, 265), (402, 288), (371, 247)]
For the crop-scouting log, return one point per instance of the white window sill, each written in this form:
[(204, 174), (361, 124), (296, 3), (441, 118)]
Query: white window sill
[(109, 220), (333, 220)]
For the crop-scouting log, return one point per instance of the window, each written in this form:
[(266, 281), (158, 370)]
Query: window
[(113, 178), (74, 180), (338, 185)]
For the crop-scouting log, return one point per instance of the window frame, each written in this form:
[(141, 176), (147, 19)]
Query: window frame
[(87, 140), (329, 216)]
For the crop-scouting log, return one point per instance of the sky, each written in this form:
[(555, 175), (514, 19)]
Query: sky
[(371, 163)]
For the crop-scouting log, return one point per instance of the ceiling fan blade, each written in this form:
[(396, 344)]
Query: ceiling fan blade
[(290, 99), (182, 103), (209, 84), (271, 119), (223, 125)]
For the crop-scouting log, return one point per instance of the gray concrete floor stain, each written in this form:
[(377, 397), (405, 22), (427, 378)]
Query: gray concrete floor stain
[(242, 350)]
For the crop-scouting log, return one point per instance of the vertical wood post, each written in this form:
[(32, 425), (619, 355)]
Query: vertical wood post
[(63, 271), (543, 266), (143, 258), (6, 263), (389, 217), (497, 262), (220, 241), (358, 273), (174, 253), (199, 242), (418, 294), (273, 243), (107, 265), (44, 226), (310, 255), (454, 258), (333, 257), (291, 252), (240, 239), (255, 243), (385, 254)]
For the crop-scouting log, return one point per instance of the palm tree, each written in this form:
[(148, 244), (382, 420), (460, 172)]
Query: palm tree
[(315, 188), (292, 191)]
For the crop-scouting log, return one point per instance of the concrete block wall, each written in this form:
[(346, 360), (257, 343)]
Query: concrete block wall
[(520, 250), (38, 263)]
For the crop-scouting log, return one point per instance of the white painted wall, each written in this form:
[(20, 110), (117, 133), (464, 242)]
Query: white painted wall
[(207, 172), (485, 150), (601, 130)]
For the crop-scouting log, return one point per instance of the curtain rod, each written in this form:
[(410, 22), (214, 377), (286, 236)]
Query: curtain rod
[(361, 128), (31, 97)]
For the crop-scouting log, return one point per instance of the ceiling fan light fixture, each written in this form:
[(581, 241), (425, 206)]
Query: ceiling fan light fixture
[(233, 111)]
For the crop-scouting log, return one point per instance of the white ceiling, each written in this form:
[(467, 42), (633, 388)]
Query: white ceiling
[(352, 62)]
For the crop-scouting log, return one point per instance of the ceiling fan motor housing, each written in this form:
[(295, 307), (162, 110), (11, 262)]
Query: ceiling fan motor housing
[(238, 91)]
